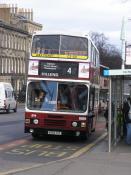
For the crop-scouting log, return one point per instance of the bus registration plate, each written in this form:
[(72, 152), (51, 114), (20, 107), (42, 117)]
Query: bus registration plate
[(54, 133)]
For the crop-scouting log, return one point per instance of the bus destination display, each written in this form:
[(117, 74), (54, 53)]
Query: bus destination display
[(58, 69)]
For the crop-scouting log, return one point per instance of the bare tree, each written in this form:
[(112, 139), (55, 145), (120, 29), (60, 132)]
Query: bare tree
[(109, 54)]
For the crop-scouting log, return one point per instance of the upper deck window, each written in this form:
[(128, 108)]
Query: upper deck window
[(60, 45), (46, 44), (73, 45)]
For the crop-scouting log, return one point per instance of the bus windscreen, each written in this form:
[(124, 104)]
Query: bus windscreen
[(57, 96)]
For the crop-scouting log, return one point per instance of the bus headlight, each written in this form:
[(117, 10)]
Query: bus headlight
[(74, 124), (83, 124), (35, 121)]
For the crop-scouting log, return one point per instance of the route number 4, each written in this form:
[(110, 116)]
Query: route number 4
[(69, 70)]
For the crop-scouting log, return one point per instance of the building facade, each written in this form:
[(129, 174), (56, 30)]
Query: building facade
[(16, 29)]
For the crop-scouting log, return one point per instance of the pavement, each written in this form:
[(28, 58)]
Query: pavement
[(95, 161)]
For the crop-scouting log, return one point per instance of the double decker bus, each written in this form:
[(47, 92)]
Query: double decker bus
[(62, 95)]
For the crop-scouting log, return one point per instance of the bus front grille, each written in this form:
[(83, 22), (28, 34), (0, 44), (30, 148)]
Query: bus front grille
[(59, 123)]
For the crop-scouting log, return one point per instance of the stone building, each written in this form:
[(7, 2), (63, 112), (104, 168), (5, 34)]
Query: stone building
[(16, 29)]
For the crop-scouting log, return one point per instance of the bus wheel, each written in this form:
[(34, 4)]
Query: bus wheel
[(35, 135), (84, 136)]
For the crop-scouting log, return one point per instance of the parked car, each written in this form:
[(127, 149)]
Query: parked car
[(7, 97)]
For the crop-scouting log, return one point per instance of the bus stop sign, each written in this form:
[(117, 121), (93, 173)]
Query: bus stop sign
[(114, 72)]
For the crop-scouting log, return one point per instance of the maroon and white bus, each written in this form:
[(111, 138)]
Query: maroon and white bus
[(62, 95)]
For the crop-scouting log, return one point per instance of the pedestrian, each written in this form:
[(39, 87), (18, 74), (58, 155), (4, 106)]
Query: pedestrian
[(127, 118), (106, 115)]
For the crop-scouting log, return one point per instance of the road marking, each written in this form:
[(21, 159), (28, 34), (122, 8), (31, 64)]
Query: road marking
[(76, 154), (44, 149), (87, 147), (12, 144)]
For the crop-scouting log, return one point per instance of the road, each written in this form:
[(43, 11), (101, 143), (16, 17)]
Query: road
[(11, 125), (20, 152)]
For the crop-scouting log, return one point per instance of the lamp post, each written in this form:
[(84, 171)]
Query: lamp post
[(123, 39), (123, 43)]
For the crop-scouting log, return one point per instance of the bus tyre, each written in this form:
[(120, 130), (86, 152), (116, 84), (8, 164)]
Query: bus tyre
[(35, 135), (84, 136)]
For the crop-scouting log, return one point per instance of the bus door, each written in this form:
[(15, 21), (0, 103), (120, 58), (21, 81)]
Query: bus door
[(92, 108)]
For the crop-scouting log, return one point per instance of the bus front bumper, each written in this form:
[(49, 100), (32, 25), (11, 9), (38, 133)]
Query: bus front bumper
[(58, 132)]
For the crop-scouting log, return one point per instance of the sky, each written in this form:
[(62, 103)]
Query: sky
[(79, 17)]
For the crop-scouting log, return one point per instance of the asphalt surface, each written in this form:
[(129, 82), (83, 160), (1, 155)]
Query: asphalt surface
[(97, 161), (91, 159), (22, 155)]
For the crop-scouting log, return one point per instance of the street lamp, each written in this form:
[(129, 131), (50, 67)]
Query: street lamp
[(123, 44), (123, 39)]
